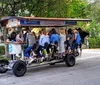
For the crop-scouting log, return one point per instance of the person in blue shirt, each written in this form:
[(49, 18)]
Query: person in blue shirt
[(77, 38), (54, 37), (54, 40)]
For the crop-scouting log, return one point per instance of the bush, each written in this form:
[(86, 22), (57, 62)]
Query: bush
[(2, 50), (98, 42), (94, 42)]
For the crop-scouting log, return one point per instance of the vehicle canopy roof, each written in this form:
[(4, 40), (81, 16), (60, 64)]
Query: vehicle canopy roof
[(13, 21)]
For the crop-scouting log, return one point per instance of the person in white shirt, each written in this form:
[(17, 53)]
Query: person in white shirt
[(62, 40), (19, 38), (44, 39)]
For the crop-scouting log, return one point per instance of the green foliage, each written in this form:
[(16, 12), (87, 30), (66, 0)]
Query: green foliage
[(95, 10), (2, 50), (51, 8), (78, 8), (94, 42), (98, 42), (44, 8), (94, 29)]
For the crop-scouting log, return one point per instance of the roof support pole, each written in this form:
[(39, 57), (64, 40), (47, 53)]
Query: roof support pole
[(6, 45)]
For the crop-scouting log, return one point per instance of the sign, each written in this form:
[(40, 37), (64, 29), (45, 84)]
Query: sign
[(52, 23), (29, 22), (70, 22), (12, 23)]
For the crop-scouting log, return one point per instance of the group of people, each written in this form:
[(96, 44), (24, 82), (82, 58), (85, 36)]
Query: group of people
[(62, 39), (71, 39)]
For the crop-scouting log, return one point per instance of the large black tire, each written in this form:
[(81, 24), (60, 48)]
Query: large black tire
[(3, 62), (19, 68), (70, 60)]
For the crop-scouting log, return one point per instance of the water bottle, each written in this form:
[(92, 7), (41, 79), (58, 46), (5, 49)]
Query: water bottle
[(12, 41)]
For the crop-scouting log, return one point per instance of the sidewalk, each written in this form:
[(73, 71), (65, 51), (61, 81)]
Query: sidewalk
[(89, 54), (91, 51)]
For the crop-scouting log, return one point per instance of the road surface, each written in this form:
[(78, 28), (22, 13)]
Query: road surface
[(85, 72)]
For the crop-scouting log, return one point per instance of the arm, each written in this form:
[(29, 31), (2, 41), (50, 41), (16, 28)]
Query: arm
[(75, 35), (26, 41), (18, 39), (40, 40), (51, 38)]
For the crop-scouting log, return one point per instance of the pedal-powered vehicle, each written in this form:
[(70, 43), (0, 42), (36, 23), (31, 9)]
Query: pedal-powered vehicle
[(20, 66)]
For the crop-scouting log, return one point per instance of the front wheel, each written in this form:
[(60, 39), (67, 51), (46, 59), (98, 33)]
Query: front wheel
[(19, 68), (3, 63), (70, 60)]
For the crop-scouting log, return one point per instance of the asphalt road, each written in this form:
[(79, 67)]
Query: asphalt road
[(85, 72)]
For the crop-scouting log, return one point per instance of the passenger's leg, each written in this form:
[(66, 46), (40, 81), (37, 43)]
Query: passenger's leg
[(27, 52), (39, 51), (48, 49), (26, 55), (11, 57)]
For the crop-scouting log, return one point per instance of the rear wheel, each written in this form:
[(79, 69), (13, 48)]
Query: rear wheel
[(70, 60), (3, 63), (19, 68)]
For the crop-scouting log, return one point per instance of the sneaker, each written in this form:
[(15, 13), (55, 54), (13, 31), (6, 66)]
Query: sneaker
[(11, 64), (34, 54), (46, 56), (42, 59), (31, 60)]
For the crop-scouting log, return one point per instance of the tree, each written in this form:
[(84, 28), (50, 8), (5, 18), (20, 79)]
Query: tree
[(17, 7), (44, 8), (95, 10), (78, 7)]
